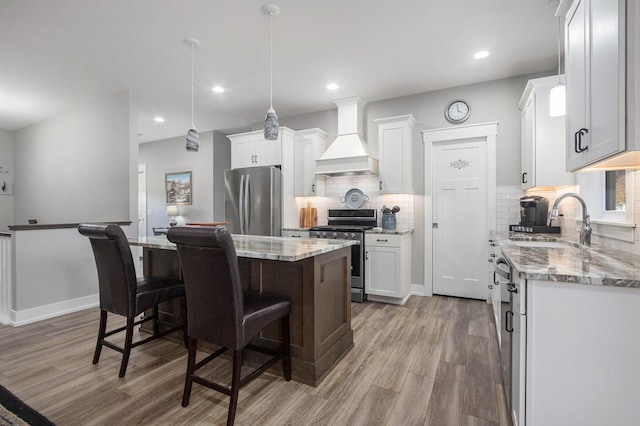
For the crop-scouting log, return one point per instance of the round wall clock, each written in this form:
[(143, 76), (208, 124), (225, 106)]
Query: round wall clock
[(457, 111)]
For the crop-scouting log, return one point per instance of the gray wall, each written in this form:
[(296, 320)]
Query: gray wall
[(6, 161), (490, 101), (207, 168), (76, 167)]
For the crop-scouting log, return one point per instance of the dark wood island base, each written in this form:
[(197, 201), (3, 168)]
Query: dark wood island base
[(320, 291)]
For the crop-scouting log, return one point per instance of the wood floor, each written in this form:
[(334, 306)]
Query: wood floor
[(434, 361)]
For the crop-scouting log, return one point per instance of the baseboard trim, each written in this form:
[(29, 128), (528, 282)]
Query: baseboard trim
[(39, 313), (419, 290)]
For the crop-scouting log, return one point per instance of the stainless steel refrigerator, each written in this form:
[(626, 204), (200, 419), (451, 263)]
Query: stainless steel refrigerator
[(253, 200)]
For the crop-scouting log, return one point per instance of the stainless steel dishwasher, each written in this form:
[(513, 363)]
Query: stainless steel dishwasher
[(512, 350)]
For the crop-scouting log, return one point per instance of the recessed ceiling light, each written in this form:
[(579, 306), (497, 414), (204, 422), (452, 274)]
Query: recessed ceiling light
[(332, 86), (158, 119), (218, 89), (481, 54)]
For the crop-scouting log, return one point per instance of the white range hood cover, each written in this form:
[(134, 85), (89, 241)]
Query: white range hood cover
[(348, 154)]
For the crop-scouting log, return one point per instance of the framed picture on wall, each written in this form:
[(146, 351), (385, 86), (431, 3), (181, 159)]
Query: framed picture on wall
[(178, 187)]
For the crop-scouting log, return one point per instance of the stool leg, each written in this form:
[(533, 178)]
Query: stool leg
[(235, 386), (101, 331), (156, 326), (127, 347), (185, 331), (286, 343), (191, 362)]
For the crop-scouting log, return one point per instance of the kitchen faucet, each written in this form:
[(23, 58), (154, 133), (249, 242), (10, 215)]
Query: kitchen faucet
[(585, 229)]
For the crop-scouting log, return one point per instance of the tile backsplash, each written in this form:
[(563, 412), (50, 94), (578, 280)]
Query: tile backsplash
[(507, 206), (337, 187)]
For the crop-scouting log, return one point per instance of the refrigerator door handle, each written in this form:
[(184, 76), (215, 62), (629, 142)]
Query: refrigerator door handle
[(241, 203), (247, 206)]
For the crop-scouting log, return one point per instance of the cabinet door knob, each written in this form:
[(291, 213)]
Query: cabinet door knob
[(313, 188), (524, 179), (380, 184)]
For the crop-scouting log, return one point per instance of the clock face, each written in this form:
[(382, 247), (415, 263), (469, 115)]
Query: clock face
[(457, 111)]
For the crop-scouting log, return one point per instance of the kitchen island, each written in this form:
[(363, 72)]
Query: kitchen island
[(314, 273)]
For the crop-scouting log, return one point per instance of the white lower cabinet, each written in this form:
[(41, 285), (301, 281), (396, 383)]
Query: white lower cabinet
[(388, 267), (578, 355)]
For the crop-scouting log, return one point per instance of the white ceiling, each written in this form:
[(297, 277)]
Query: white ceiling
[(58, 55)]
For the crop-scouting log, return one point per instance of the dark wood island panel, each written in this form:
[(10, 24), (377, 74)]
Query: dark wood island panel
[(319, 288)]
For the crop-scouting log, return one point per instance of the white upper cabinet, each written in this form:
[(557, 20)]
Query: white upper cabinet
[(543, 138), (395, 139), (308, 147), (600, 65), (252, 150)]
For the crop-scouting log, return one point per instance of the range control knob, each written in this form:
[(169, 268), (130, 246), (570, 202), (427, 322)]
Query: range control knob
[(335, 235), (352, 236), (323, 235)]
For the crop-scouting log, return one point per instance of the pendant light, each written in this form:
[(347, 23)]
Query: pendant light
[(558, 95), (271, 125), (193, 139)]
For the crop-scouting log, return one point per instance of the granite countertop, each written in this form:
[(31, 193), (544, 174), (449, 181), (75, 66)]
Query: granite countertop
[(259, 247), (569, 262), (299, 229), (389, 231)]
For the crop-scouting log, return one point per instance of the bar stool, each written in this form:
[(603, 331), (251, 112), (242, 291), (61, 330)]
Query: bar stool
[(219, 312), (123, 294)]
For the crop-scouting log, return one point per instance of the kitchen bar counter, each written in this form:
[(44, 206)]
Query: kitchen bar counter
[(571, 263), (314, 273), (259, 247)]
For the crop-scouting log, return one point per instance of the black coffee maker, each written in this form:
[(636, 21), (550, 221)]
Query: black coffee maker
[(533, 210)]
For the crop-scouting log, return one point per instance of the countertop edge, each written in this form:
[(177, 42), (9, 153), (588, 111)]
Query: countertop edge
[(390, 231)]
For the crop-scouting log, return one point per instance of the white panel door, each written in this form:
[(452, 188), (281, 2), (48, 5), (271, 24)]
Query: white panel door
[(460, 212)]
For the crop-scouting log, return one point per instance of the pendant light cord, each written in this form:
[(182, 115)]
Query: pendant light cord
[(559, 31), (271, 61), (192, 125)]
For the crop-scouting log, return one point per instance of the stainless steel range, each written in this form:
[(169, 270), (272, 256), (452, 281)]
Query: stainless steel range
[(350, 224)]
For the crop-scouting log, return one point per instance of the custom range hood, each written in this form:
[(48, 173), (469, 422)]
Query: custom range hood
[(348, 154)]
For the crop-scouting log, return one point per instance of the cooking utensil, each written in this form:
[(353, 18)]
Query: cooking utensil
[(354, 198), (395, 209)]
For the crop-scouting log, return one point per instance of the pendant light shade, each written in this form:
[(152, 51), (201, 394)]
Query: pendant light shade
[(271, 125), (193, 139), (558, 95)]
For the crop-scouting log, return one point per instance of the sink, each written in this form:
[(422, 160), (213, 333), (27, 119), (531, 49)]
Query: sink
[(541, 244)]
